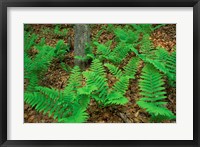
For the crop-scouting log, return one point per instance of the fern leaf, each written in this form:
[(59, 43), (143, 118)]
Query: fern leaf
[(171, 66), (75, 78), (102, 49), (114, 70), (122, 85), (116, 98), (97, 67), (87, 90), (131, 68), (152, 92), (95, 80)]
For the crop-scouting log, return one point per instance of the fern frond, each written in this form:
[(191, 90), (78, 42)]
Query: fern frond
[(52, 93), (119, 52), (42, 59), (97, 67), (131, 68), (33, 81), (102, 49), (171, 66), (122, 85), (116, 98), (152, 92), (146, 45), (114, 70), (161, 54), (78, 116), (126, 36), (29, 40), (157, 64), (95, 80), (87, 90), (75, 78)]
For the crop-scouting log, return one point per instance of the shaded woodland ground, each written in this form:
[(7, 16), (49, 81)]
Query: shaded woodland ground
[(56, 77)]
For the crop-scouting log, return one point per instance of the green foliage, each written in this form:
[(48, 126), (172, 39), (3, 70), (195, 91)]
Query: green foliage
[(122, 85), (35, 66), (116, 55), (96, 78), (115, 98), (66, 67), (29, 40), (89, 54), (146, 45), (131, 68), (74, 81), (126, 36), (60, 32), (119, 52), (163, 61), (171, 67), (97, 68), (153, 93), (61, 49), (68, 105), (114, 70), (145, 28)]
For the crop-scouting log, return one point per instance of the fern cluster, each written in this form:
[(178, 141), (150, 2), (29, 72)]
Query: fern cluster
[(70, 104), (104, 94), (35, 66)]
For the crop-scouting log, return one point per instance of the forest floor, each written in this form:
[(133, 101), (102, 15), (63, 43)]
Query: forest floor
[(56, 77)]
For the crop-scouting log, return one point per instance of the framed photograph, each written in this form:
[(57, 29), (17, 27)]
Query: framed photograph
[(108, 73)]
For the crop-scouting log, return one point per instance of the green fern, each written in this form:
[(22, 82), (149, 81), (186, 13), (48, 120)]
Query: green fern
[(95, 80), (146, 45), (131, 68), (119, 53), (34, 67), (29, 41), (97, 67), (61, 49), (171, 66), (146, 28), (115, 98), (114, 70), (161, 54), (68, 105), (153, 94), (126, 36), (60, 32), (103, 51), (122, 85), (65, 67), (75, 79)]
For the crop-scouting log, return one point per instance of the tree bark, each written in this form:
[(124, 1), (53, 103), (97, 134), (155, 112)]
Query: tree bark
[(82, 36)]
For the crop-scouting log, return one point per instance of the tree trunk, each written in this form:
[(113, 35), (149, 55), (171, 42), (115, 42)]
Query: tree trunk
[(82, 36)]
